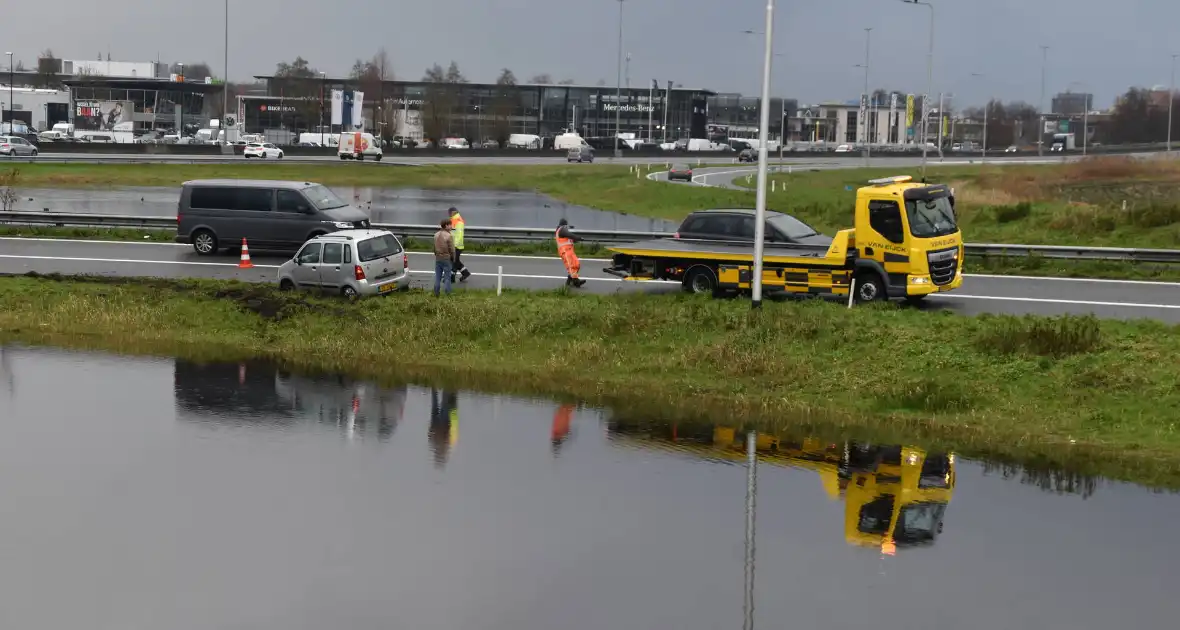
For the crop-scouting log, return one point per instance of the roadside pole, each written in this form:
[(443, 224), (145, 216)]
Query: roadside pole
[(763, 135)]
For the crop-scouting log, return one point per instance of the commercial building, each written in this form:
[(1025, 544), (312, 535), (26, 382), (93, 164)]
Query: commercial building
[(1071, 103), (737, 116), (421, 110)]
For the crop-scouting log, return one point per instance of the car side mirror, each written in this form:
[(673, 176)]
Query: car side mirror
[(296, 260)]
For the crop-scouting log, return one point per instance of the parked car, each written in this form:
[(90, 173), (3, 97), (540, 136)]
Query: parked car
[(579, 154), (272, 215), (13, 146), (262, 150), (351, 263), (737, 224), (682, 171), (1011, 149), (748, 155)]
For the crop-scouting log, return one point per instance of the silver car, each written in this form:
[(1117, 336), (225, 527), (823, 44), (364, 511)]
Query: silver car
[(15, 145), (351, 263)]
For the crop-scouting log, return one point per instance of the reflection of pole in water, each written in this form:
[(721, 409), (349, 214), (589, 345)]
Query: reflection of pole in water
[(444, 425), (7, 372), (560, 431), (751, 491)]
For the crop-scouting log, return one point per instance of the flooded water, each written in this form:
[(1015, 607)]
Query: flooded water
[(487, 208), (153, 493)]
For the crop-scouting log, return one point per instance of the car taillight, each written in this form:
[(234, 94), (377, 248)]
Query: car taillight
[(360, 273), (676, 235), (405, 261)]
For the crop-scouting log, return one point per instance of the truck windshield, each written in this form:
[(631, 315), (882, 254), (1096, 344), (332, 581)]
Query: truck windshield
[(323, 198), (791, 227), (931, 217), (918, 523)]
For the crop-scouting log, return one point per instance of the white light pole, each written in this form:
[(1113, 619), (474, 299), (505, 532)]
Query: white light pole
[(11, 103), (1041, 128), (225, 81), (868, 107), (1171, 99), (1086, 113), (929, 80), (763, 135), (619, 81), (986, 106)]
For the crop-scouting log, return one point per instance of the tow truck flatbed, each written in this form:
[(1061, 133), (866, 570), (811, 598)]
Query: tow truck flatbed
[(722, 250)]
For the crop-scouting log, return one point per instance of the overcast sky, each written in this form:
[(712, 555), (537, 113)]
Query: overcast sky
[(1106, 45)]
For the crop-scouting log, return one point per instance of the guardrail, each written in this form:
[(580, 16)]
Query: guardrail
[(603, 237)]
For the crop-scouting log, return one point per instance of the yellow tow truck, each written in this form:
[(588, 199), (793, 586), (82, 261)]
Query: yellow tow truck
[(905, 243), (894, 496)]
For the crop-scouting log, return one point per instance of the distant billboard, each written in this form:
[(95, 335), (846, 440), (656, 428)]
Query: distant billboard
[(102, 115)]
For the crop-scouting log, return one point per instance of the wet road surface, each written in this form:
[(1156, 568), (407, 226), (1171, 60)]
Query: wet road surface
[(163, 494), (1119, 299), (413, 206)]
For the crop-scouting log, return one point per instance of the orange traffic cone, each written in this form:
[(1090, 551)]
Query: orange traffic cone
[(245, 262)]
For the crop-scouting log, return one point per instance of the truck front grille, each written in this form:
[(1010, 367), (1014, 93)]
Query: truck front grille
[(943, 263)]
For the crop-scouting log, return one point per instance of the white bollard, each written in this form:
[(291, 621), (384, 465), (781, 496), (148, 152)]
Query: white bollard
[(773, 185), (851, 292), (637, 173), (499, 279), (788, 170)]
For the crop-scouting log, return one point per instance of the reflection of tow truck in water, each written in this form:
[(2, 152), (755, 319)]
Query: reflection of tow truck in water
[(894, 496), (905, 243)]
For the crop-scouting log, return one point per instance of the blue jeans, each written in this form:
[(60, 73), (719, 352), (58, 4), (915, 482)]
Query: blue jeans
[(442, 274)]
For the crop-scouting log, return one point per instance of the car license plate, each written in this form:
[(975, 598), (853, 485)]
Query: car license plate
[(386, 288)]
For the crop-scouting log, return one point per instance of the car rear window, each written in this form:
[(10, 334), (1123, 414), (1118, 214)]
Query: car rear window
[(378, 247)]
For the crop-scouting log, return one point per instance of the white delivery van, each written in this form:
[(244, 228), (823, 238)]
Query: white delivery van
[(358, 145), (567, 141), (524, 141)]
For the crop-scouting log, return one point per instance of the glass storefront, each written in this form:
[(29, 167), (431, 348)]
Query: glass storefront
[(103, 104), (485, 111)]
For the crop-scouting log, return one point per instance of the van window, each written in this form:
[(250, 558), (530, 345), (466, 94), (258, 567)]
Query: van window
[(379, 247), (310, 254), (291, 201), (885, 219), (333, 253), (225, 198)]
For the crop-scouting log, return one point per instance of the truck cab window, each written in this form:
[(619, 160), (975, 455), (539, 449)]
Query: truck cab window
[(885, 219)]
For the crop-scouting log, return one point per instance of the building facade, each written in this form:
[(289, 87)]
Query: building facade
[(479, 111), (738, 116), (1071, 103)]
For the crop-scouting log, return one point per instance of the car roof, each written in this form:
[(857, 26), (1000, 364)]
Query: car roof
[(251, 183), (747, 211), (354, 235)]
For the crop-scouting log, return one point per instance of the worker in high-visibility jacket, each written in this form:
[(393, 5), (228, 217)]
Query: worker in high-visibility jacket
[(458, 227), (565, 249)]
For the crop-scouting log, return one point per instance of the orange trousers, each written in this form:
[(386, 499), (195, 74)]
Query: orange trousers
[(572, 264)]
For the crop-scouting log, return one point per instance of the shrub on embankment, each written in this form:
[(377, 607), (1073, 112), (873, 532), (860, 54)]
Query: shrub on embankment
[(993, 383)]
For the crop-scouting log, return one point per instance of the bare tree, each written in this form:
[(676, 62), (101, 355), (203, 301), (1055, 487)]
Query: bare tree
[(453, 74), (297, 81), (8, 193), (542, 79), (566, 82), (506, 78), (503, 104), (441, 99)]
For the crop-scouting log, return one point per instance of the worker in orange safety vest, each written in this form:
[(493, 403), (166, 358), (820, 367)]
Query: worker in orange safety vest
[(565, 249)]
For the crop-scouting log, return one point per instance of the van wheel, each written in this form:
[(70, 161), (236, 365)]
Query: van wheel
[(348, 292), (204, 242), (286, 285), (343, 157), (700, 279), (280, 155), (34, 153), (378, 158), (869, 288), (360, 157)]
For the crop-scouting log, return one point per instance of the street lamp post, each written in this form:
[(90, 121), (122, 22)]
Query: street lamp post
[(1041, 128), (763, 135), (1172, 97), (868, 107), (323, 79), (225, 81), (1086, 114), (929, 80), (619, 81), (986, 106), (11, 103)]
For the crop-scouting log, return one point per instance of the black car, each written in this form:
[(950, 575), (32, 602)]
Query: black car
[(748, 155), (737, 225), (680, 172)]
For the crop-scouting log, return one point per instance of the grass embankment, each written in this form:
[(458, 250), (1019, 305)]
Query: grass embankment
[(1079, 203), (1099, 396)]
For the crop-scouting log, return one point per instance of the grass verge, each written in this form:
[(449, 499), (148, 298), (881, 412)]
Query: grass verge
[(1094, 395)]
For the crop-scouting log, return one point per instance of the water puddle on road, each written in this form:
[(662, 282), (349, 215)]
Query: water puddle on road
[(161, 492), (414, 206)]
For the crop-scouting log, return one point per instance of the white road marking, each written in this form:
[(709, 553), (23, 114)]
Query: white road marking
[(136, 262), (1157, 283), (1053, 301)]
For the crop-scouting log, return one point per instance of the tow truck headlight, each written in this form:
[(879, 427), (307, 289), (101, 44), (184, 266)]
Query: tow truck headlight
[(919, 280)]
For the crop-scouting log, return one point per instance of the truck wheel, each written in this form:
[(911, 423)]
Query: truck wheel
[(869, 288), (700, 279)]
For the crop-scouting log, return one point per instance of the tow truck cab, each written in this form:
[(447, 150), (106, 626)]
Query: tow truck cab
[(905, 243)]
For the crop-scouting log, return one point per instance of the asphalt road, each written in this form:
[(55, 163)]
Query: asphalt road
[(1119, 299)]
